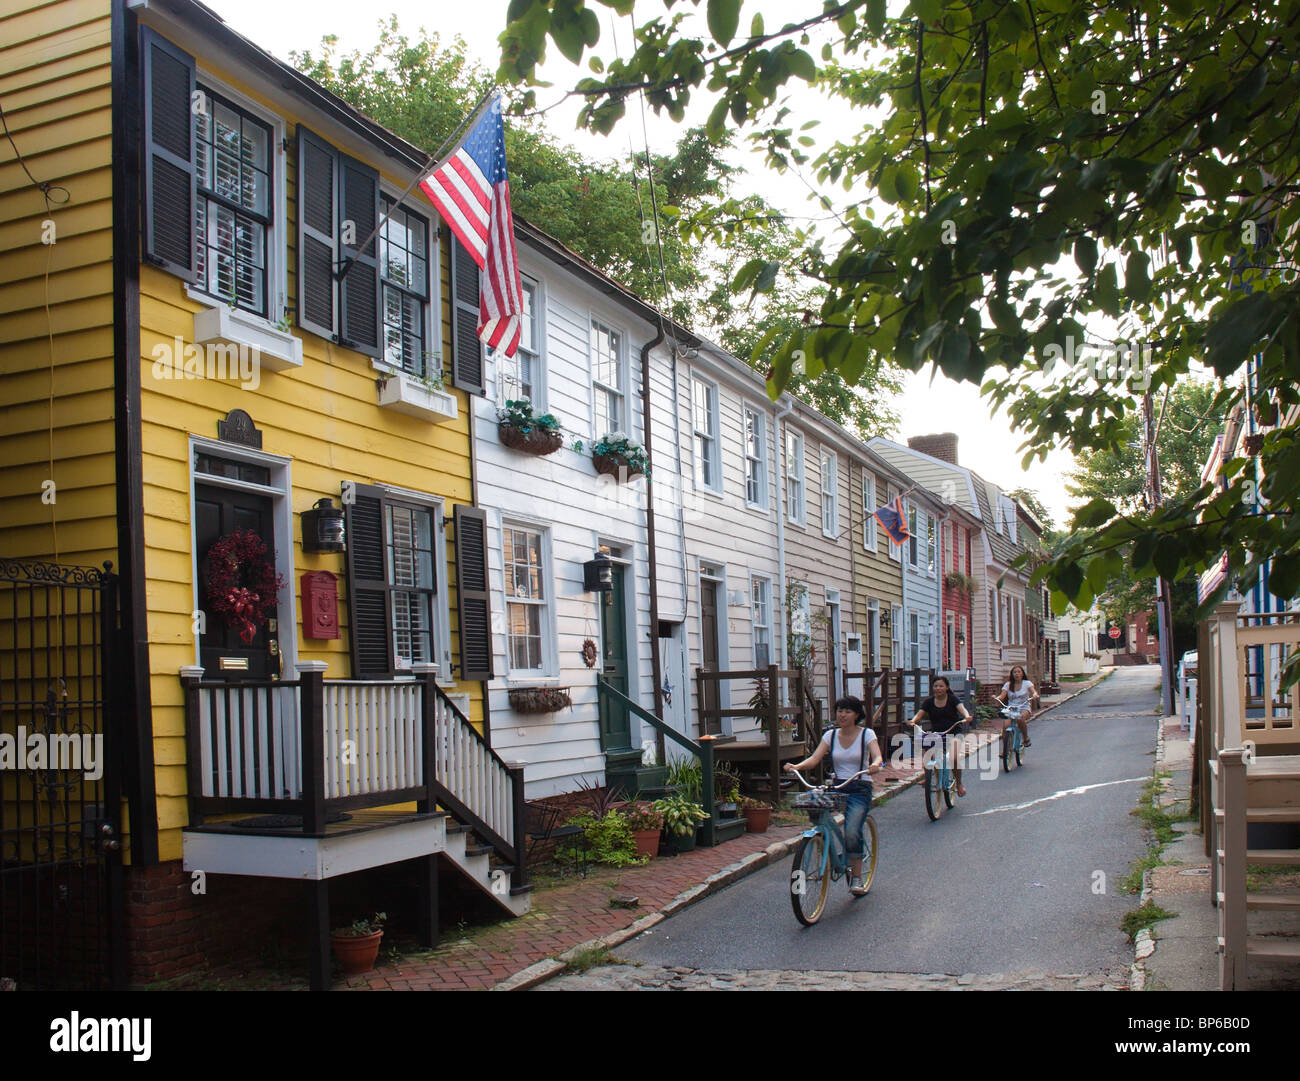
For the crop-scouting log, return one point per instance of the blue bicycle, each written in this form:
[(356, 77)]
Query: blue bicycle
[(821, 856), (940, 777), (1013, 743)]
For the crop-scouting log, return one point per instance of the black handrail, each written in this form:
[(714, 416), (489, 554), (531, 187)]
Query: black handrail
[(703, 749)]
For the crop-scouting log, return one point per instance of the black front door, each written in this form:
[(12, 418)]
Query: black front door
[(222, 652)]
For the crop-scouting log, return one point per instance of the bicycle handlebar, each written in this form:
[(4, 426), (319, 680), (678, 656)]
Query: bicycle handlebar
[(932, 731), (834, 788)]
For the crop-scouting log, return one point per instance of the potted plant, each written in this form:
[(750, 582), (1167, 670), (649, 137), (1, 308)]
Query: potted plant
[(520, 430), (757, 814), (617, 456), (726, 792), (681, 817), (539, 699), (357, 945), (645, 823)]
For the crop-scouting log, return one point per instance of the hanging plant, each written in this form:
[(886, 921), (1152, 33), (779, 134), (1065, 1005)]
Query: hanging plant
[(618, 457), (520, 430), (242, 586)]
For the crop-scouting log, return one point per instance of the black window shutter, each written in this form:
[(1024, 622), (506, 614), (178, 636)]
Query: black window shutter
[(466, 348), (472, 593), (170, 188), (359, 289), (317, 221), (369, 602)]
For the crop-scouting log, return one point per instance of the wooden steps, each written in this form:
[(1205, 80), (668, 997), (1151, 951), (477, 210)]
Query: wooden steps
[(1267, 948)]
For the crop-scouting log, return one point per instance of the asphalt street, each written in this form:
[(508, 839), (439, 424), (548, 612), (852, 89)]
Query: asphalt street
[(1005, 881)]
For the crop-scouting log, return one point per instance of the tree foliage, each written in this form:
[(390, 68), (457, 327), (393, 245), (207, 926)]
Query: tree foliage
[(606, 211), (1034, 166)]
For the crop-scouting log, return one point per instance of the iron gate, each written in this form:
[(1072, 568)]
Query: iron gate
[(61, 897)]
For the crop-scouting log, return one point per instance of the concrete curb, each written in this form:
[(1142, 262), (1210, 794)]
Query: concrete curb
[(1144, 944), (545, 970)]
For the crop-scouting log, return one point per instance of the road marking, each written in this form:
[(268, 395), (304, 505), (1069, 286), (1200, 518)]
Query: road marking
[(1056, 795)]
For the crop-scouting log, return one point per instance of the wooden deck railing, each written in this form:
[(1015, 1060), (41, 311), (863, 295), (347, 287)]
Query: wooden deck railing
[(310, 746)]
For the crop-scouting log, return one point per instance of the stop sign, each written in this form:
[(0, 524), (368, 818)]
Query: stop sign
[(1114, 632)]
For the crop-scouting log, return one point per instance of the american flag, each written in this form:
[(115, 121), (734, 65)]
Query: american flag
[(893, 519), (472, 192)]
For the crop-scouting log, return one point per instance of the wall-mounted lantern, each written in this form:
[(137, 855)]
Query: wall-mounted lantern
[(598, 574), (322, 527)]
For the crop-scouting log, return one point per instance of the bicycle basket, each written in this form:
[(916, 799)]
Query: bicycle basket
[(812, 800)]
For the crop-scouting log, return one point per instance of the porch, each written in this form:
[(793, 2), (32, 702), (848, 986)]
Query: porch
[(1247, 755), (309, 779)]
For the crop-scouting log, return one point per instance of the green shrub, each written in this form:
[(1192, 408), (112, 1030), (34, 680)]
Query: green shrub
[(609, 839)]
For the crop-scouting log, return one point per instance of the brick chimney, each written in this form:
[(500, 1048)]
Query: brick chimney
[(943, 447)]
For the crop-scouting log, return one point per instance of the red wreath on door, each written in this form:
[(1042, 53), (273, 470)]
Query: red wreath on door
[(243, 587)]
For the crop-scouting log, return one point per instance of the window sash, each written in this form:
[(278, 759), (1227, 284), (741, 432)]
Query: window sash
[(760, 600), (795, 498), (518, 374), (527, 598), (607, 380), (755, 455), (912, 541), (412, 584), (868, 512), (830, 494)]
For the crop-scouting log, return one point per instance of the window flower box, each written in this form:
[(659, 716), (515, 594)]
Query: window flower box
[(276, 350), (539, 699), (405, 394)]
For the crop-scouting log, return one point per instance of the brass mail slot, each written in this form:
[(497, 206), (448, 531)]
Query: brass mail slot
[(239, 664)]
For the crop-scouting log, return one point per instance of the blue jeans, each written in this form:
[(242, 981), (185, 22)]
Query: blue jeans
[(855, 818)]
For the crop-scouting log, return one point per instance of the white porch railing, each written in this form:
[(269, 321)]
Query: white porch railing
[(373, 738), (469, 769), (248, 741)]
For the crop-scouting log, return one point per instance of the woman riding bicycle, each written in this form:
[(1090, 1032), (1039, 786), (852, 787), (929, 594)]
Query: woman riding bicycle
[(851, 751), (945, 712), (1018, 695)]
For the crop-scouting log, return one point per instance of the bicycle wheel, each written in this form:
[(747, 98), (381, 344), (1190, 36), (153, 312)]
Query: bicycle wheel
[(808, 884), (1019, 748), (949, 789), (1008, 749), (933, 795), (872, 842)]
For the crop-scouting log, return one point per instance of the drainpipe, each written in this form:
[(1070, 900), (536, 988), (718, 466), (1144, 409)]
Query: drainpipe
[(781, 413), (656, 672)]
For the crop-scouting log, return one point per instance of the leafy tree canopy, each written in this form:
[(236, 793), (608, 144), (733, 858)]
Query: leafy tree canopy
[(423, 90), (1035, 165)]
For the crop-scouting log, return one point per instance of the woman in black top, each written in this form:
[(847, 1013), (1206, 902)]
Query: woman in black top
[(945, 712)]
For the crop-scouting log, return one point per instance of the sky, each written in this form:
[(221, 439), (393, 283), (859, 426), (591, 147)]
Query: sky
[(930, 402)]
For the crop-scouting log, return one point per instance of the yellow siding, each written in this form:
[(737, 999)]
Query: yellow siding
[(874, 573), (326, 418), (56, 304)]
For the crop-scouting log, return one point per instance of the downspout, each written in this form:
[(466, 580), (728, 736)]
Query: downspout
[(781, 413), (656, 673)]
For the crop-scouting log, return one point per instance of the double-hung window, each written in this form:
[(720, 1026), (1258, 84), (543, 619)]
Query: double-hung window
[(409, 540), (755, 458), (930, 529), (404, 289), (608, 392), (708, 468), (527, 600), (913, 542), (520, 375), (794, 489), (761, 600), (868, 511), (914, 638), (830, 493), (232, 209)]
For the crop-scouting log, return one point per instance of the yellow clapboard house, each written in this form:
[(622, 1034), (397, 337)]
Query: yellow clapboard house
[(211, 383)]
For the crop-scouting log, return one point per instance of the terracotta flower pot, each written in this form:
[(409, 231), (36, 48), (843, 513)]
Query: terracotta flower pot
[(647, 843), (356, 953), (757, 819)]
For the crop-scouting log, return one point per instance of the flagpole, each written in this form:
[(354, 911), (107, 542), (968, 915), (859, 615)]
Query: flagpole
[(433, 161)]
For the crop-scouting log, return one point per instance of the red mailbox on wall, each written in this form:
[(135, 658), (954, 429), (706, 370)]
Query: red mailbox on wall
[(320, 605)]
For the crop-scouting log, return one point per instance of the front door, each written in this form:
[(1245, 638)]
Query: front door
[(222, 652), (709, 725), (615, 727)]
